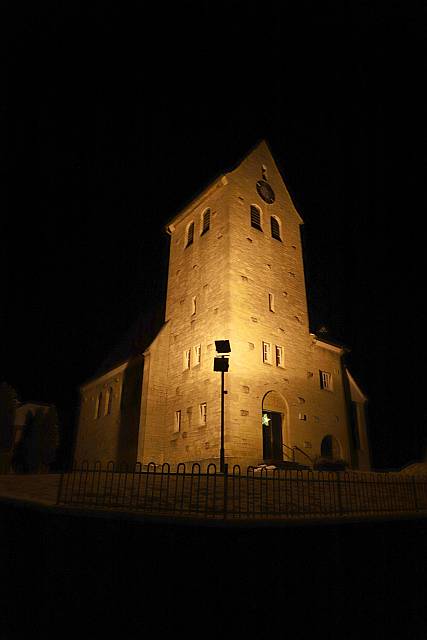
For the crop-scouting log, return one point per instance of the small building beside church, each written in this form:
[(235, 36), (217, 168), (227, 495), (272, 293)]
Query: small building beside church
[(236, 273)]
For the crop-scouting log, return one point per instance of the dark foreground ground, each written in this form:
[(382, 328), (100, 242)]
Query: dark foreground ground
[(93, 577)]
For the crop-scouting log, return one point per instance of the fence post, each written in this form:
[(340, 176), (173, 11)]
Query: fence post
[(225, 477), (414, 486), (340, 505), (61, 481)]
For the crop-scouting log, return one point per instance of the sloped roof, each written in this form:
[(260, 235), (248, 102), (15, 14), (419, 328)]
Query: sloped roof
[(134, 341), (355, 390), (219, 178)]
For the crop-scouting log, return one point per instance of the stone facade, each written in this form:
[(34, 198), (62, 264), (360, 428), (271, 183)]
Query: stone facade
[(109, 415), (238, 277)]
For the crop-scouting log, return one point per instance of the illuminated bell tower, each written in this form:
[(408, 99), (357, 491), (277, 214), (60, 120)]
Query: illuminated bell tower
[(269, 331)]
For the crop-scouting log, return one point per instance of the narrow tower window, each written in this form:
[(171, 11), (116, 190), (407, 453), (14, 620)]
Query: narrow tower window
[(193, 305), (186, 359), (279, 356), (197, 352), (206, 221), (256, 217), (190, 234), (108, 401), (275, 228), (203, 413), (271, 301), (98, 404), (177, 424)]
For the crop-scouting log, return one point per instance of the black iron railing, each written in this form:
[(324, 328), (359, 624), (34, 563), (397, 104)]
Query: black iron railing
[(289, 452), (189, 491), (310, 460)]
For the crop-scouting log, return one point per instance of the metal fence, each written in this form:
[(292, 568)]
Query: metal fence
[(254, 494)]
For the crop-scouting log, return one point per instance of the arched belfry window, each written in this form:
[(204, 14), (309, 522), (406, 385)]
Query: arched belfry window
[(108, 401), (98, 404), (206, 221), (256, 217), (275, 228), (190, 234)]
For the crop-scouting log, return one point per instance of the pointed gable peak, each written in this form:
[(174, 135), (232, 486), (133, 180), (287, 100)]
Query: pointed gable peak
[(259, 162), (259, 165)]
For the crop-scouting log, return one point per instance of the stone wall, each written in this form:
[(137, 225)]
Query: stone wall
[(111, 435)]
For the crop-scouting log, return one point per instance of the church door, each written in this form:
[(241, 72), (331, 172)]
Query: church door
[(272, 443)]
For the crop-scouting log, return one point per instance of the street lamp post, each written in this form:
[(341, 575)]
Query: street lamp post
[(221, 364)]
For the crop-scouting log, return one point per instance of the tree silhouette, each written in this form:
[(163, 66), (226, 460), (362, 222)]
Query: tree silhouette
[(18, 457), (49, 440), (8, 404), (36, 450), (20, 461)]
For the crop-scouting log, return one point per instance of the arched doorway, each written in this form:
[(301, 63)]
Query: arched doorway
[(330, 448), (274, 412)]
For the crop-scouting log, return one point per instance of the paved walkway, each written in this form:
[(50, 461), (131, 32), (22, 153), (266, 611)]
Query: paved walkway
[(40, 488)]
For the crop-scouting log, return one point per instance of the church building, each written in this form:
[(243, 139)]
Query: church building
[(236, 274)]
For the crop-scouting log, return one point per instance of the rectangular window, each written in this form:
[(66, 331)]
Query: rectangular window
[(271, 301), (325, 380), (186, 359), (193, 305), (266, 352), (203, 413), (197, 355), (177, 424), (279, 356)]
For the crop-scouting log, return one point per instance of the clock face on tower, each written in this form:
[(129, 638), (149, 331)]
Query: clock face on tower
[(265, 191)]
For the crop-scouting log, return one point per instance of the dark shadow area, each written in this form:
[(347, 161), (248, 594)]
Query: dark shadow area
[(127, 446), (89, 575)]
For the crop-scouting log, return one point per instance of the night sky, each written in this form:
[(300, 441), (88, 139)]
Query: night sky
[(116, 118)]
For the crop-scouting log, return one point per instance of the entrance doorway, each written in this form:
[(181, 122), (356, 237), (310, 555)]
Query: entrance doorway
[(272, 442)]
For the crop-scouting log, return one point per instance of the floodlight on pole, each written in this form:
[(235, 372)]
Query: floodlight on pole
[(222, 346), (221, 364)]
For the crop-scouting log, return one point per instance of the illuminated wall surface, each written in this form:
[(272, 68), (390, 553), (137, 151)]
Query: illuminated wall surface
[(235, 272)]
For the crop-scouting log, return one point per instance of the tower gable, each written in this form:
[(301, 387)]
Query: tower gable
[(260, 165)]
